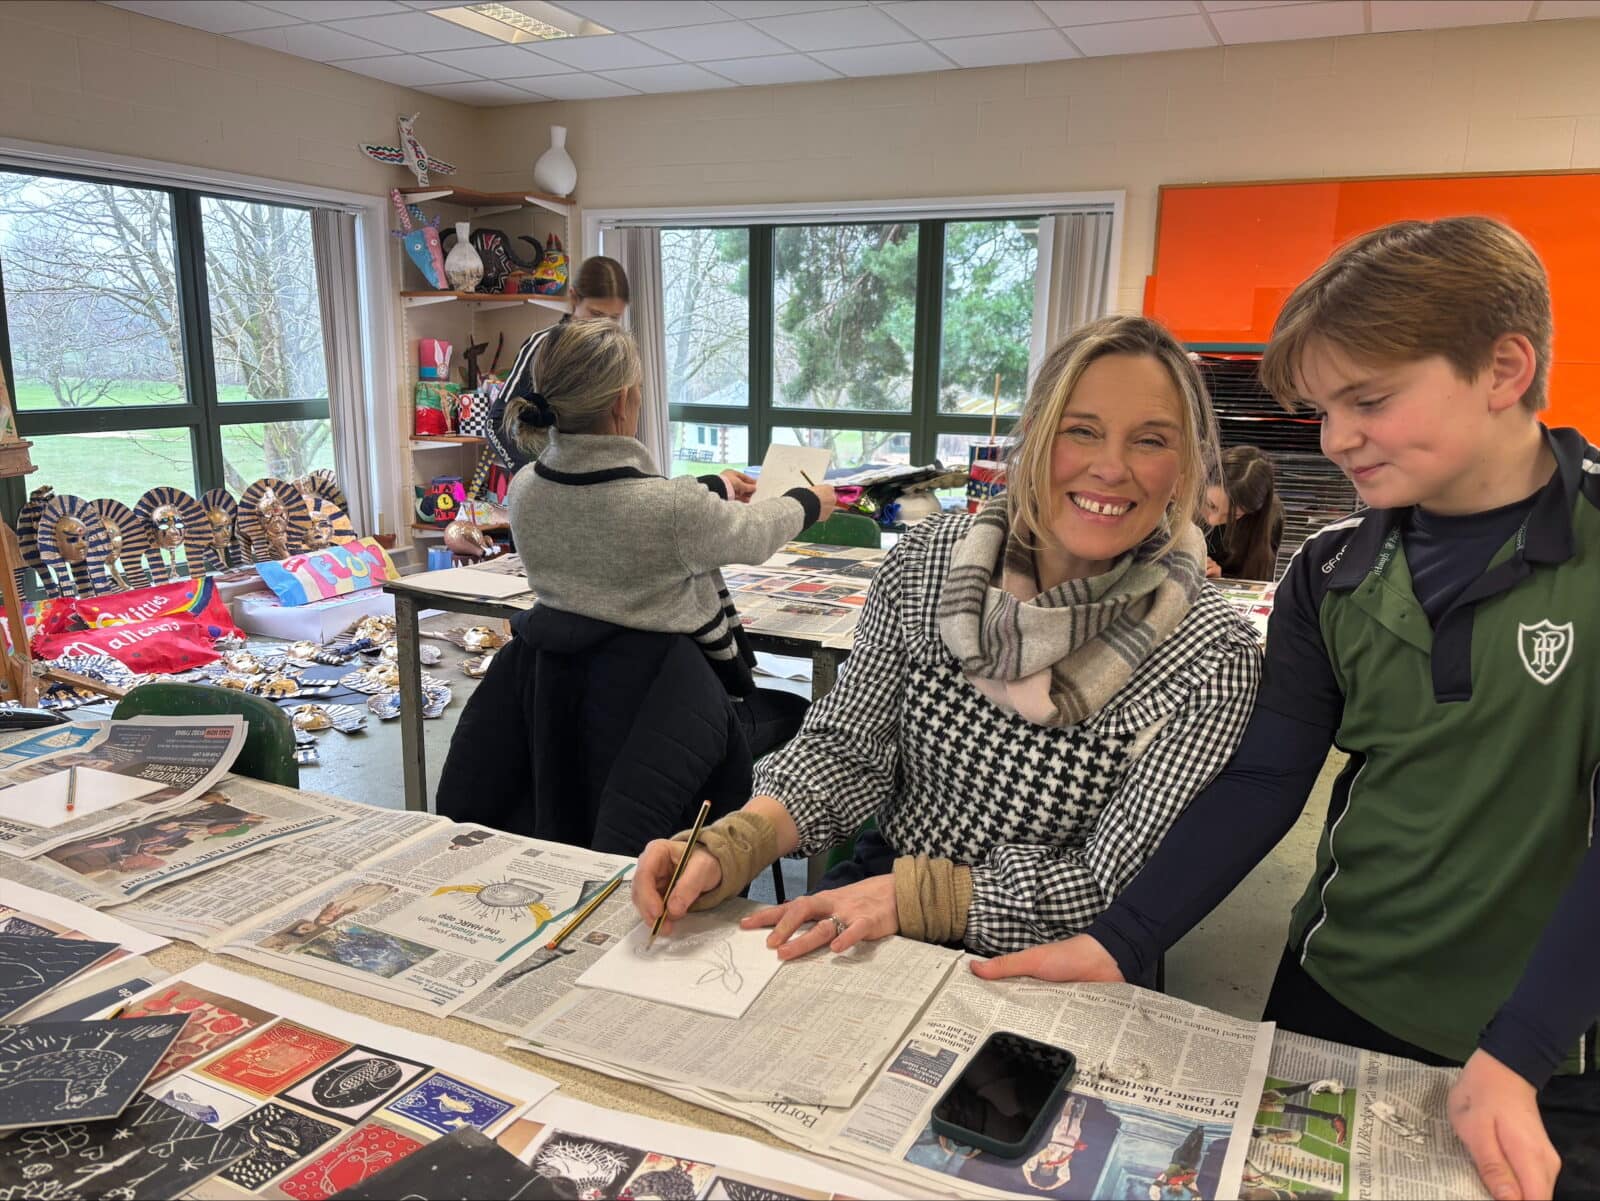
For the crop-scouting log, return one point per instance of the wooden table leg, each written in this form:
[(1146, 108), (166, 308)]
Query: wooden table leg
[(413, 754)]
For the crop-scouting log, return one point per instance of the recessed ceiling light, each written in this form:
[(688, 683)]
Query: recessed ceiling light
[(520, 21)]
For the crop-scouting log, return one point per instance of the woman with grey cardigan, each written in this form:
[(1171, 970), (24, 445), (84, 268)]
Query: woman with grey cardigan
[(603, 535)]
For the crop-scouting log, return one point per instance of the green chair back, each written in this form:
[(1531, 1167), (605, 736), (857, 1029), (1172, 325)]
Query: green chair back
[(268, 752), (844, 529)]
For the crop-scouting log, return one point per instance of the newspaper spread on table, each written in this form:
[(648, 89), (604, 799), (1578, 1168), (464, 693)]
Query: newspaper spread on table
[(1338, 1122), (114, 866), (186, 755), (814, 1036), (210, 907), (1160, 1105), (434, 922)]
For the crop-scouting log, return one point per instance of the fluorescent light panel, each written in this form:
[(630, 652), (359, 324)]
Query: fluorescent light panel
[(520, 21)]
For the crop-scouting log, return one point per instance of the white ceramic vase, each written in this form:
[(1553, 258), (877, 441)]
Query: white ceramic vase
[(555, 172), (464, 265)]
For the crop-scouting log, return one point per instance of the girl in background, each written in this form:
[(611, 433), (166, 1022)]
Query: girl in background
[(1244, 519), (600, 289)]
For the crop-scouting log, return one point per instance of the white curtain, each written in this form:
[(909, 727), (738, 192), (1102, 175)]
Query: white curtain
[(333, 241), (1073, 283), (639, 252)]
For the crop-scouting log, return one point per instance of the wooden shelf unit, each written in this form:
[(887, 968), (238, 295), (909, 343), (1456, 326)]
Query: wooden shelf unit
[(426, 296), (466, 317), (489, 202)]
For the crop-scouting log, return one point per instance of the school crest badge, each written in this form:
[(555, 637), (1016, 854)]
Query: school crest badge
[(1545, 648)]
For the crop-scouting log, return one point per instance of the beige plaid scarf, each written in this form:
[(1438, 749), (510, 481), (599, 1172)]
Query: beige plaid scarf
[(1056, 657)]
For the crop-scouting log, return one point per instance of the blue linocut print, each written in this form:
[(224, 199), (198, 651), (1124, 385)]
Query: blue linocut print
[(443, 1104)]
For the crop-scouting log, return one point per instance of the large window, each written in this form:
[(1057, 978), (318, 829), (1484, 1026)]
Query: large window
[(159, 336), (880, 341)]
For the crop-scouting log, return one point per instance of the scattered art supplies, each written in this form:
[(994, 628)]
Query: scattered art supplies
[(708, 964), (787, 467), (53, 1073)]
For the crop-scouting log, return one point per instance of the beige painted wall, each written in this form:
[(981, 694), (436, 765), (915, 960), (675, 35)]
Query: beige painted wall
[(1496, 98), (88, 76)]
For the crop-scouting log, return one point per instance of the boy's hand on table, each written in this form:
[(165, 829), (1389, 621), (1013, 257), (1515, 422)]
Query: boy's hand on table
[(1495, 1113), (1077, 958)]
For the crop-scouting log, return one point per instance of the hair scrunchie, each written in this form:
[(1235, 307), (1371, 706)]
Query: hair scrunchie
[(537, 412)]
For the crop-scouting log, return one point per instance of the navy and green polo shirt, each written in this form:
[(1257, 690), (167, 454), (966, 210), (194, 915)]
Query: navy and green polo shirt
[(1466, 809)]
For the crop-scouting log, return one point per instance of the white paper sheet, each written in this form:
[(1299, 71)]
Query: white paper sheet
[(782, 468), (707, 964), (43, 802)]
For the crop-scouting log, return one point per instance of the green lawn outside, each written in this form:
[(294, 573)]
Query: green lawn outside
[(36, 394)]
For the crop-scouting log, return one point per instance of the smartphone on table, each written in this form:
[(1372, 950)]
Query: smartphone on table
[(1005, 1095)]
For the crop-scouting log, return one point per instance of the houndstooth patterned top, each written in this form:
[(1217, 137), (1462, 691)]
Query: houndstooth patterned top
[(1053, 821)]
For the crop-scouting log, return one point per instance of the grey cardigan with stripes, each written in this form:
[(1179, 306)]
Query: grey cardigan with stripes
[(602, 535)]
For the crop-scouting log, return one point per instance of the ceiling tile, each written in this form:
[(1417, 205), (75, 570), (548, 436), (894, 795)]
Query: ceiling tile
[(750, 9), (834, 29), (885, 60), (574, 87), (495, 62), (1142, 37), (680, 77), (775, 68), (1391, 15), (625, 16), (1003, 49), (1098, 12), (1286, 23), (483, 93), (1222, 6), (431, 3), (405, 69), (947, 19), (702, 43), (229, 16), (329, 10), (316, 42), (1555, 10), (604, 52), (416, 33)]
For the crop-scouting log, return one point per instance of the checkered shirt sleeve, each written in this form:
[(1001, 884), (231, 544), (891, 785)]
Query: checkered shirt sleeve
[(1024, 895), (843, 764)]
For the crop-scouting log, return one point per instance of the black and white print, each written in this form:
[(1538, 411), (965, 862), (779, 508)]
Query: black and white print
[(355, 1084), (57, 1072), (278, 1138), (31, 966)]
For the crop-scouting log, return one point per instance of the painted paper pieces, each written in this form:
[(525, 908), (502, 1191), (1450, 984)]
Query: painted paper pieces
[(53, 1073)]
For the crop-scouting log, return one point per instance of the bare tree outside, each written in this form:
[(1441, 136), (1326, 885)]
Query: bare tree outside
[(93, 312)]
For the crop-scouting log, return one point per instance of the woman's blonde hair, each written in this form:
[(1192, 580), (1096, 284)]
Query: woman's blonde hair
[(1028, 465), (582, 366)]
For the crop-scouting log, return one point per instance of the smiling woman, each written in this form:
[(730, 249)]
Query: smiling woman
[(1034, 694)]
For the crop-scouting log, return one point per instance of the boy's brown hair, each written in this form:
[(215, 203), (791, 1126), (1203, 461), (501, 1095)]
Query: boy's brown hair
[(1414, 289)]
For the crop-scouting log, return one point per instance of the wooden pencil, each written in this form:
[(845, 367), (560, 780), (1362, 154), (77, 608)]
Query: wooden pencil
[(694, 837), (583, 914)]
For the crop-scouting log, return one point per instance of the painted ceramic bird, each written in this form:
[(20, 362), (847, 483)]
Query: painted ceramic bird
[(409, 153)]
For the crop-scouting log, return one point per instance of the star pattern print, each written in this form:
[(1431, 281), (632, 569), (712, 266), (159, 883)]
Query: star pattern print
[(1053, 821)]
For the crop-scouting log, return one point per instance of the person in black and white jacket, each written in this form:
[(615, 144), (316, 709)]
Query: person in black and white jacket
[(599, 289), (1034, 694)]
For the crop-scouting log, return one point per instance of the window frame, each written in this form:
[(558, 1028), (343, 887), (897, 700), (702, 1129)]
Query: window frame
[(202, 414), (924, 423)]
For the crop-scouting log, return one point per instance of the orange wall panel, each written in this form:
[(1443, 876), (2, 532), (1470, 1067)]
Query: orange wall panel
[(1227, 256)]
